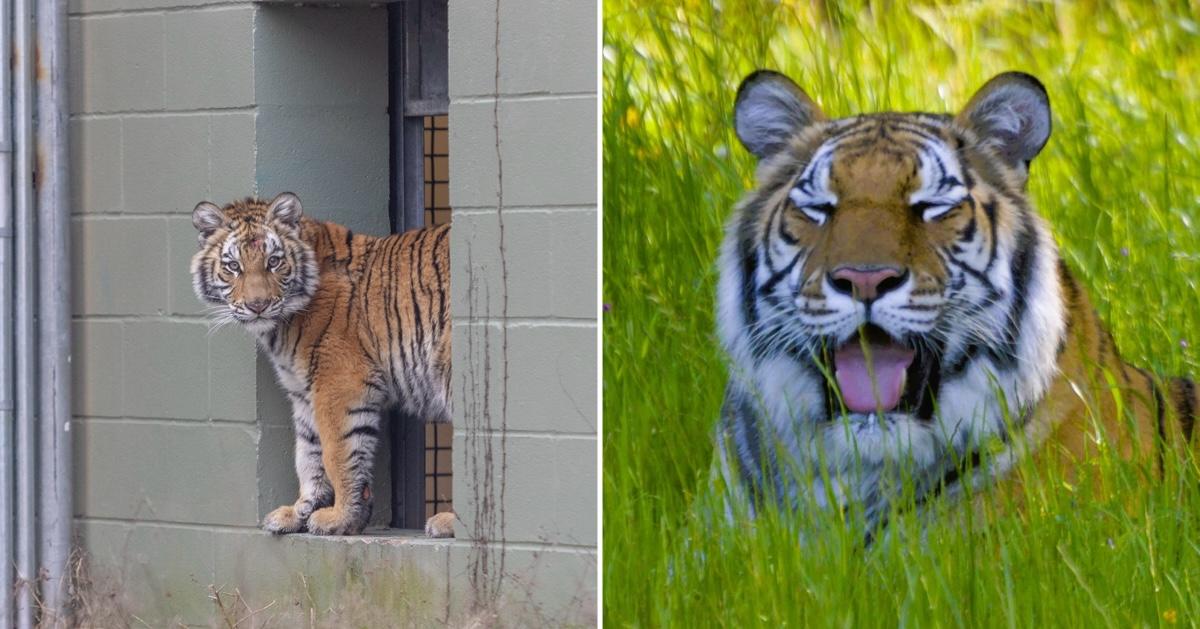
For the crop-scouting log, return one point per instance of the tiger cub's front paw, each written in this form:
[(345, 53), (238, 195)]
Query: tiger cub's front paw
[(336, 521), (283, 520)]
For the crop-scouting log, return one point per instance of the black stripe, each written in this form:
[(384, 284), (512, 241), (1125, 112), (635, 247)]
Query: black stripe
[(1023, 263), (367, 430), (778, 276), (360, 410), (1068, 282), (414, 270), (1158, 418), (437, 271), (1187, 410), (765, 242), (749, 311), (989, 209), (968, 232)]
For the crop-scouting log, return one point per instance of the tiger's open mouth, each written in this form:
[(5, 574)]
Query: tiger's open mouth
[(875, 372)]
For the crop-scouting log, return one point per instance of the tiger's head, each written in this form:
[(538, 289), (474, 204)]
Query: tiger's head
[(888, 269), (253, 265)]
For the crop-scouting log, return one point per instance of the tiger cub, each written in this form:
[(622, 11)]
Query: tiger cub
[(353, 324), (893, 305)]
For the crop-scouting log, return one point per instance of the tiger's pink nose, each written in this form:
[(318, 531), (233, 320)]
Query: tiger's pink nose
[(257, 306), (867, 283)]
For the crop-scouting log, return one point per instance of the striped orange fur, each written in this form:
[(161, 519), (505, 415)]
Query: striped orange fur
[(352, 323)]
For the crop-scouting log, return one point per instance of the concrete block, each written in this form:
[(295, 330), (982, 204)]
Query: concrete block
[(575, 505), (274, 408), (96, 165), (167, 472), (116, 63), (182, 244), (550, 485), (376, 580), (232, 380), (472, 157), (162, 573), (166, 162), (531, 483), (471, 67), (551, 259), (109, 6), (542, 587), (335, 159), (317, 57), (96, 368), (277, 483), (231, 163), (209, 58), (107, 278), (166, 369), (546, 46), (548, 146), (552, 374)]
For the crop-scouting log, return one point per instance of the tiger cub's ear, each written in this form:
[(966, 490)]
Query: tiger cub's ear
[(769, 110), (1012, 112), (286, 209), (206, 218)]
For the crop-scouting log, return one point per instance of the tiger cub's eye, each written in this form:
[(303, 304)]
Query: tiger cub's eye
[(233, 267), (272, 262)]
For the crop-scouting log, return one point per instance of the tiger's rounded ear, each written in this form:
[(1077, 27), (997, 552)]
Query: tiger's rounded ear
[(769, 110), (207, 218), (286, 209), (1012, 112)]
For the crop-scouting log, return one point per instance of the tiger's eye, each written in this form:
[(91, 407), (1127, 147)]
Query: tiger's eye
[(272, 262), (233, 267)]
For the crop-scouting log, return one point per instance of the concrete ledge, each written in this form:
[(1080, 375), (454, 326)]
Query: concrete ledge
[(168, 574)]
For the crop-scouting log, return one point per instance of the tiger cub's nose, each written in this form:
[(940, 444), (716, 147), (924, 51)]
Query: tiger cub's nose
[(257, 306), (867, 283)]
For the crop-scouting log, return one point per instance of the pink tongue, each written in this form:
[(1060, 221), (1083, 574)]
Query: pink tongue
[(888, 363)]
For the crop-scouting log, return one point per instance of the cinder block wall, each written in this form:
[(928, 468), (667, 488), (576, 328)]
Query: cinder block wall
[(182, 439), (163, 114), (546, 116)]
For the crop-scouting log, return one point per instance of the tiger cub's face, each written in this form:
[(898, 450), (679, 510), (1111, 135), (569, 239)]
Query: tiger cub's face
[(252, 265), (881, 252)]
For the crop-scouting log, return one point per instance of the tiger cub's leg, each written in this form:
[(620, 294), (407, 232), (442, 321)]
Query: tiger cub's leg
[(315, 490), (349, 433)]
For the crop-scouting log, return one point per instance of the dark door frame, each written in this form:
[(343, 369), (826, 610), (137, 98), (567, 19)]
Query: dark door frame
[(418, 87)]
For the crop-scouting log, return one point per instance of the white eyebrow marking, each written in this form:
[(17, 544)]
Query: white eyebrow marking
[(811, 190), (230, 249), (942, 182)]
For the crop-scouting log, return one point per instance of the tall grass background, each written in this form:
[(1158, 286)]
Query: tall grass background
[(1119, 182)]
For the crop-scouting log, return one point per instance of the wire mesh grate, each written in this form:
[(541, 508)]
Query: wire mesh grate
[(438, 437)]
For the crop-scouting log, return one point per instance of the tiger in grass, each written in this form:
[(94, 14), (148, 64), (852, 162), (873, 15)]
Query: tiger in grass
[(352, 323), (894, 308)]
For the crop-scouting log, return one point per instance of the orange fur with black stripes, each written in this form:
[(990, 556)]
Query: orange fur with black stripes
[(894, 308), (352, 323)]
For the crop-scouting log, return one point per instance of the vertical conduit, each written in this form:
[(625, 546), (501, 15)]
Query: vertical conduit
[(25, 326), (7, 405), (35, 387), (54, 314)]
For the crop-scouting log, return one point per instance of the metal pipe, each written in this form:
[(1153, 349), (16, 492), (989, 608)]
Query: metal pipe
[(24, 337), (7, 406), (54, 309)]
